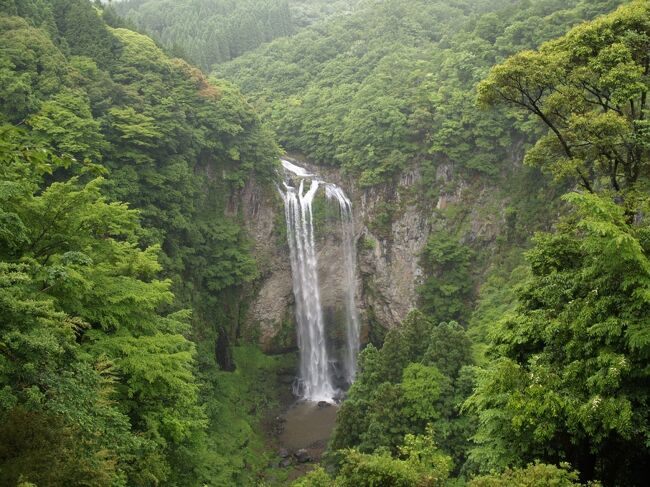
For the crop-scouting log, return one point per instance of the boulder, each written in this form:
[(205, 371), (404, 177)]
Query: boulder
[(302, 456)]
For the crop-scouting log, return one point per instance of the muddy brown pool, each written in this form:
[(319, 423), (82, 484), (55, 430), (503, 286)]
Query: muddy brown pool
[(307, 425)]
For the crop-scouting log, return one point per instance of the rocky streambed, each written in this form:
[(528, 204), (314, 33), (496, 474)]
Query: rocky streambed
[(301, 434)]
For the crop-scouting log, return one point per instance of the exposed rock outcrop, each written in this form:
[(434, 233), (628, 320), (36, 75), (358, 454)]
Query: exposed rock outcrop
[(390, 256), (393, 224), (271, 307), (389, 270)]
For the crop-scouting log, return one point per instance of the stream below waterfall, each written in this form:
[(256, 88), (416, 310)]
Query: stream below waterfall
[(300, 428), (308, 425)]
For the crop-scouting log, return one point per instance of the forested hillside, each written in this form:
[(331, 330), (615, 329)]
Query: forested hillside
[(208, 32), (394, 82), (496, 155), (121, 276), (538, 365)]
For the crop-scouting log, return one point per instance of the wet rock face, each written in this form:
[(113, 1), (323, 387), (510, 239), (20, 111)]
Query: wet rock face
[(270, 309), (388, 276), (392, 225), (391, 269), (272, 303), (395, 232)]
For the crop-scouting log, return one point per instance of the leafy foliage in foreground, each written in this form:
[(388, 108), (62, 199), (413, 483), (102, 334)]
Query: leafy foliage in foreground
[(568, 381), (419, 377), (569, 363), (380, 470), (532, 476), (590, 89), (420, 463), (103, 288), (91, 370)]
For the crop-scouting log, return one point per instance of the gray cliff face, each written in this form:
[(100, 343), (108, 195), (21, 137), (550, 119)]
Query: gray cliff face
[(390, 251), (272, 305), (393, 224), (388, 263)]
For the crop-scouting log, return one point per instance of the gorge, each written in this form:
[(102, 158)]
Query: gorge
[(324, 243)]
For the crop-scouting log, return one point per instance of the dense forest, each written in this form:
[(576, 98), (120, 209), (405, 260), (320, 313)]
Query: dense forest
[(120, 270), (520, 129), (208, 32)]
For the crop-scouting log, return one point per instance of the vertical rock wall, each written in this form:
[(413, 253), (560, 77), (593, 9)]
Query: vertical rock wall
[(393, 224), (389, 269)]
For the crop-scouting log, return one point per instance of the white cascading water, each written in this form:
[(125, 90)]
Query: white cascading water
[(316, 382), (352, 327)]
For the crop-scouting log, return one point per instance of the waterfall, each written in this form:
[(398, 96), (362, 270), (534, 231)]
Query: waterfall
[(352, 327), (316, 382)]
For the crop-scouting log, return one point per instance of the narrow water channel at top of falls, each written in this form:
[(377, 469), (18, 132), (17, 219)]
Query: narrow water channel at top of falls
[(316, 381)]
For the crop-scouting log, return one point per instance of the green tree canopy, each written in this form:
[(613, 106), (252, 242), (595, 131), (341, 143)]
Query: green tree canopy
[(567, 383), (589, 88)]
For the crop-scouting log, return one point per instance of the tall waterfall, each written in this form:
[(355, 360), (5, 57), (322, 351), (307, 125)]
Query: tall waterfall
[(316, 381), (352, 327)]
